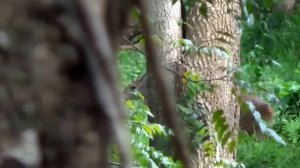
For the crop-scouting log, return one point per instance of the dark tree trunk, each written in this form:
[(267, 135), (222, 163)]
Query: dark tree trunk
[(52, 112)]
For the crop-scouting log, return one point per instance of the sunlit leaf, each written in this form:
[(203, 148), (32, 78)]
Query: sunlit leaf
[(276, 63), (130, 104), (149, 130)]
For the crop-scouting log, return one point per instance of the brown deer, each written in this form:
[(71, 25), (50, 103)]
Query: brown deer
[(247, 120)]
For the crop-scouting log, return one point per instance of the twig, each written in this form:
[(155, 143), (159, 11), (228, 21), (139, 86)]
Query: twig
[(175, 72), (118, 164), (115, 163), (133, 46)]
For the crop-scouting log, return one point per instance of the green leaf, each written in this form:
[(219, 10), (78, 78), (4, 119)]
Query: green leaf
[(203, 131), (232, 146), (220, 135), (226, 138), (130, 104), (217, 115), (186, 75), (276, 63), (222, 128), (159, 129), (268, 3), (185, 110), (195, 78), (153, 164), (148, 112), (220, 122), (135, 14), (166, 161), (148, 129), (209, 148), (203, 9)]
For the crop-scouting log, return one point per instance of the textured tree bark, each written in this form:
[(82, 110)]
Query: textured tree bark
[(221, 17), (165, 21)]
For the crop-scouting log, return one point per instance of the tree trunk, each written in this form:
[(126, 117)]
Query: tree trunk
[(165, 21), (221, 17), (50, 112)]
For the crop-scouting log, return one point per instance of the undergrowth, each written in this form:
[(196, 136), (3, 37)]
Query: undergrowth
[(270, 58)]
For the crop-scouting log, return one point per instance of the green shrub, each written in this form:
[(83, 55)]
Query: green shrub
[(270, 68)]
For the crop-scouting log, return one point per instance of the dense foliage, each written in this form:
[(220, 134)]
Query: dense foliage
[(270, 55), (270, 48), (132, 66)]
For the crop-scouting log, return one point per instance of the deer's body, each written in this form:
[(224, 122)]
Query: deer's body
[(247, 121)]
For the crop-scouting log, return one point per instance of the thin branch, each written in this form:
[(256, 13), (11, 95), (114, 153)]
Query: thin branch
[(175, 72), (115, 164), (133, 46), (118, 164), (104, 76)]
